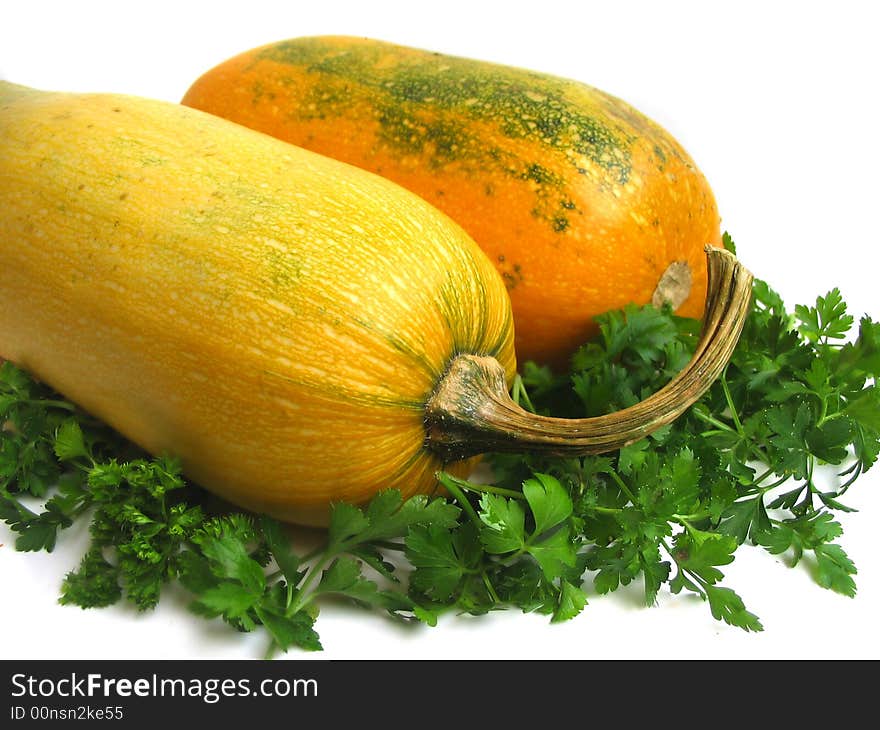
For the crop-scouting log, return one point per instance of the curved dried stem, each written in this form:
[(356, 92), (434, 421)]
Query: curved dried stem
[(471, 411)]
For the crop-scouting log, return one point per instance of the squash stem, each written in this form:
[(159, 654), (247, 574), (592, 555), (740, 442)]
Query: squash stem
[(471, 411)]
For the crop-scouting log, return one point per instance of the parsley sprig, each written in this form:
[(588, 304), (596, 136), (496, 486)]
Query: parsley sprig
[(765, 458)]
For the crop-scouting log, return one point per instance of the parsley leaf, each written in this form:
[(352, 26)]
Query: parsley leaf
[(504, 524), (442, 558), (825, 321)]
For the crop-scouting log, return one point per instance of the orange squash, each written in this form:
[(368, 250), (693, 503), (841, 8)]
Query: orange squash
[(582, 203), (296, 330)]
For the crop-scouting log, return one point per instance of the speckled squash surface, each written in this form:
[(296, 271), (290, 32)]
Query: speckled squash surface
[(582, 203), (275, 318)]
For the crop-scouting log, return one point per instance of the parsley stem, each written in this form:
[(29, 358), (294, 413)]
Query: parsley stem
[(729, 398), (685, 520), (755, 487), (520, 395), (606, 510), (712, 432), (51, 404), (699, 583), (727, 428), (824, 417), (489, 489), (823, 413), (811, 462), (782, 480), (622, 484), (757, 480), (489, 587), (302, 596), (453, 487), (705, 417)]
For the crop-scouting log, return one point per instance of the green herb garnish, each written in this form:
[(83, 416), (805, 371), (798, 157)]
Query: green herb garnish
[(746, 464)]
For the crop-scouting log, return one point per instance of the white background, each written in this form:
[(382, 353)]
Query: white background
[(778, 104)]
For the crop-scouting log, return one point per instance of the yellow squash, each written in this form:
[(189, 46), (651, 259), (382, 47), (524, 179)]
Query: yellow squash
[(294, 329)]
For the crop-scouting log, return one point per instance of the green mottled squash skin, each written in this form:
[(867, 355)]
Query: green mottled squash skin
[(582, 202)]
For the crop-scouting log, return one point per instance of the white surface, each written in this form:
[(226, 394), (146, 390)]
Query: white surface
[(777, 103)]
